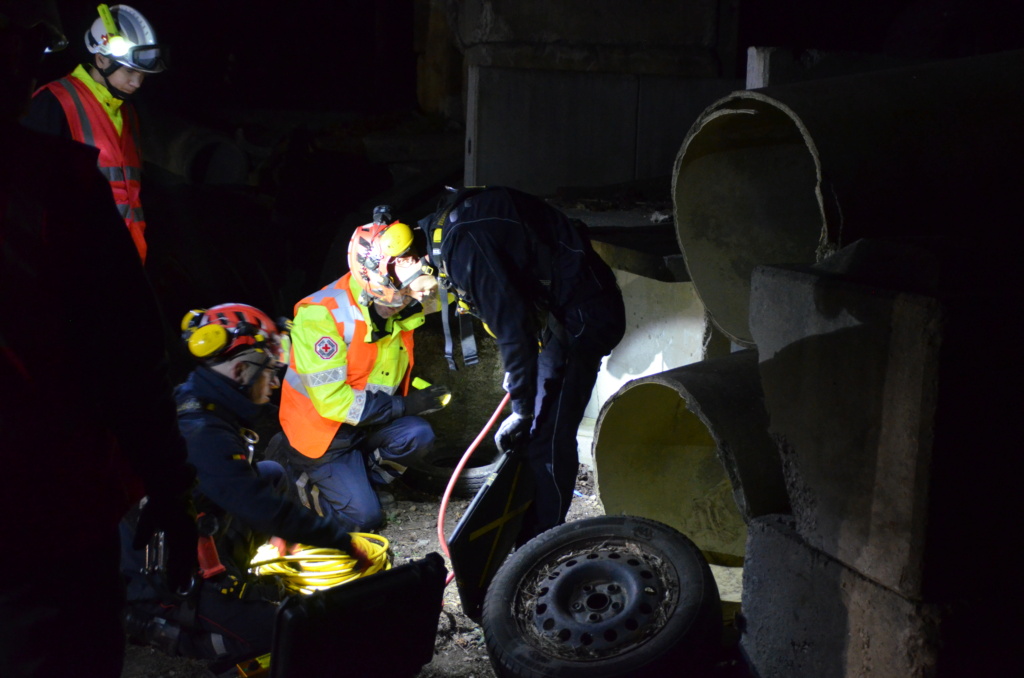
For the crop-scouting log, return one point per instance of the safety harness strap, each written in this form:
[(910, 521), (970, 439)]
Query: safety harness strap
[(469, 354), (446, 323)]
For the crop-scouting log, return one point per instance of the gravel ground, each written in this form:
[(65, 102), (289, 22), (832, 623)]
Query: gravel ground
[(459, 649)]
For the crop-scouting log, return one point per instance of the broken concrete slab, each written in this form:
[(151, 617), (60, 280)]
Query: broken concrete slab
[(885, 400), (850, 376), (806, 615)]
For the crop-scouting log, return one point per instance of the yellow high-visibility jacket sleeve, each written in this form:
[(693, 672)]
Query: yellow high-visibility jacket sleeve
[(321, 361)]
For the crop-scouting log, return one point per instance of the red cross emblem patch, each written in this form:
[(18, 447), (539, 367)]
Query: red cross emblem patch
[(326, 348)]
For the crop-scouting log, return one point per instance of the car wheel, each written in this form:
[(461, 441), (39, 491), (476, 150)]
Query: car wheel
[(603, 597), (432, 473)]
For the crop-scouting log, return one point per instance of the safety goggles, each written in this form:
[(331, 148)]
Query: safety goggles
[(145, 58)]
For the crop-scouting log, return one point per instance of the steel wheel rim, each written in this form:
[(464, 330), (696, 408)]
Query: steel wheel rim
[(596, 601)]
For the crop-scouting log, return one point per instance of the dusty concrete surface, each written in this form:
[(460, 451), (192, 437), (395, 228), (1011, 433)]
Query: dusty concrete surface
[(858, 456), (878, 378)]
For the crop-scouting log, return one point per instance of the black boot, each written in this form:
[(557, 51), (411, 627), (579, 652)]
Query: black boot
[(145, 629)]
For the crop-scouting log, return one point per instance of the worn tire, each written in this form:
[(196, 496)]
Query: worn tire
[(432, 473), (603, 597)]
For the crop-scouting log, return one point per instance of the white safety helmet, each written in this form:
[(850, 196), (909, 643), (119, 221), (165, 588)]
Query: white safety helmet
[(130, 42)]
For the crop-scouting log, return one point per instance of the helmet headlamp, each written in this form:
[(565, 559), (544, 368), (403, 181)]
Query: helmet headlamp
[(123, 35)]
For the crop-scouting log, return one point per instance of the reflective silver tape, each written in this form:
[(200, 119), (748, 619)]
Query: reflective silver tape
[(112, 173), (217, 641), (316, 501), (301, 485), (348, 315), (88, 139), (355, 412), (294, 379), (324, 377)]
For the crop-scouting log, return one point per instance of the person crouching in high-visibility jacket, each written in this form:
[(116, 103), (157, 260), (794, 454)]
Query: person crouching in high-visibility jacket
[(92, 105), (347, 412)]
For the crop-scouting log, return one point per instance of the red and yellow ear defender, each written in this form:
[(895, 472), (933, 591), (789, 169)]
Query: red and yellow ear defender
[(222, 330)]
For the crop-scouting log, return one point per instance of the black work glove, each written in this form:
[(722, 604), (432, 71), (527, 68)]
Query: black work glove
[(427, 400), (175, 516), (515, 428)]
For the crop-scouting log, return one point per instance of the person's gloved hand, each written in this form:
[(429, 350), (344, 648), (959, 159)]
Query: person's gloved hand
[(356, 552), (282, 546), (175, 516), (427, 400), (515, 428)]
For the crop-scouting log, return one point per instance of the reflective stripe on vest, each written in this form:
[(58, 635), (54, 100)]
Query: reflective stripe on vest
[(88, 138), (355, 411), (347, 317), (324, 377), (126, 212), (118, 173), (308, 431), (346, 314), (120, 160)]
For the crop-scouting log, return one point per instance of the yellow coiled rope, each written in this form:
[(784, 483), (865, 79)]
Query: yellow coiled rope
[(314, 569)]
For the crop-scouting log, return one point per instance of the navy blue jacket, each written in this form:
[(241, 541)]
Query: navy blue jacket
[(211, 413), (519, 263)]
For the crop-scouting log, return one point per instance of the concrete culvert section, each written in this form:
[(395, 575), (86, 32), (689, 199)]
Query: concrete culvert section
[(689, 447), (745, 193), (790, 174)]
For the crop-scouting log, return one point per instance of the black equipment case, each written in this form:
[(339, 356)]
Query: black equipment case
[(381, 625)]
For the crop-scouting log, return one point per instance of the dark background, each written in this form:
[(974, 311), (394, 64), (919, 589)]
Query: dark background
[(298, 85)]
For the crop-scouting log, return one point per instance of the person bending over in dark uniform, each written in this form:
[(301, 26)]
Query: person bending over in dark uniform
[(531, 274)]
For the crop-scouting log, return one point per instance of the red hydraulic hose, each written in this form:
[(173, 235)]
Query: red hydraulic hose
[(455, 476)]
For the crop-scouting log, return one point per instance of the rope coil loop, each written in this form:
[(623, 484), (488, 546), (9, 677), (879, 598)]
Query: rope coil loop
[(312, 569)]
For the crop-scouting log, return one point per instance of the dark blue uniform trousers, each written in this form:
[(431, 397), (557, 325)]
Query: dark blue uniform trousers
[(342, 481), (567, 370)]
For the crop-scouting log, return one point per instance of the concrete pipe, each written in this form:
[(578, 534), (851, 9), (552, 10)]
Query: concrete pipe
[(206, 157), (689, 447), (198, 154), (790, 174)]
